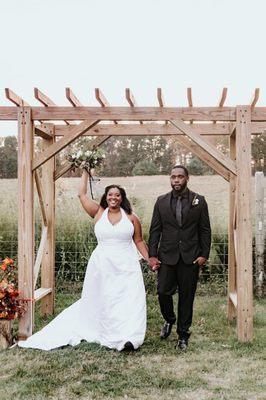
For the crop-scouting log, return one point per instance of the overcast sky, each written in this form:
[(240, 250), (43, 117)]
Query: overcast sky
[(141, 44)]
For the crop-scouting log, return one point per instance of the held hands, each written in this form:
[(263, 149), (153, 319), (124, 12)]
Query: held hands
[(154, 263), (200, 260)]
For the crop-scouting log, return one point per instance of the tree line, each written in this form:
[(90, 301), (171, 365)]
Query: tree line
[(136, 155)]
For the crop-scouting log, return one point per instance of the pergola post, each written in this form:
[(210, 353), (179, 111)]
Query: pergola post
[(244, 225), (232, 296), (48, 258), (25, 218)]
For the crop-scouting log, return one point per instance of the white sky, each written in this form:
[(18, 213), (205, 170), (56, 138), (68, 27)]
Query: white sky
[(141, 44)]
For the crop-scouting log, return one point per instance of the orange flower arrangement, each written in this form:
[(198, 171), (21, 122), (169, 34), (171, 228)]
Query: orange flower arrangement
[(11, 306)]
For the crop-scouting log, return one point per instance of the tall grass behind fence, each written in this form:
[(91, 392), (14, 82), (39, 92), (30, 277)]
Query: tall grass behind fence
[(75, 239)]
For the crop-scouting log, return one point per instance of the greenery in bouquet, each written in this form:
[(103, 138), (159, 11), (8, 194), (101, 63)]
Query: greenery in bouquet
[(11, 305), (86, 159)]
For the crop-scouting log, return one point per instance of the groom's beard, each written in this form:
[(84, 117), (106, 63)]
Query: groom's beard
[(181, 189)]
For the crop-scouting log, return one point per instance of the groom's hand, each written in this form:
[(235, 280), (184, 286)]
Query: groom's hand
[(200, 261), (154, 263)]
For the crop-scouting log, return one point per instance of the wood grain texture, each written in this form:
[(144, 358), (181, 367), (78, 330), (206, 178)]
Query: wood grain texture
[(14, 98), (152, 129), (25, 218), (244, 226), (72, 98), (204, 156), (57, 113), (231, 310), (39, 256), (210, 149), (48, 258), (76, 131)]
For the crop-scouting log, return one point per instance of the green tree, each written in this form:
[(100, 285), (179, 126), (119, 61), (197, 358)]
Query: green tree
[(8, 157), (122, 154), (198, 167), (258, 149), (145, 167)]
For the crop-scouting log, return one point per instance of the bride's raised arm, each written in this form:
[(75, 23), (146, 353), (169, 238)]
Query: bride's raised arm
[(89, 205)]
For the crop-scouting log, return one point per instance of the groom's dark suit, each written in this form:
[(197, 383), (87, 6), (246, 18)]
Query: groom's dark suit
[(177, 247)]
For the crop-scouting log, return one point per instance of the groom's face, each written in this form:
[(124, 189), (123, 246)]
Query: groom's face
[(178, 179)]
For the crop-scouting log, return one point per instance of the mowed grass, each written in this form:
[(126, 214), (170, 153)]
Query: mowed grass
[(215, 366)]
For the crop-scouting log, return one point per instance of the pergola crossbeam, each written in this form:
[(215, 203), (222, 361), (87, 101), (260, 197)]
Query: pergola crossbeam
[(205, 114), (63, 169), (76, 132), (160, 99), (102, 100), (40, 252), (204, 156), (72, 98), (189, 97), (255, 98), (66, 166), (45, 100), (211, 150), (131, 100), (14, 98), (157, 129), (43, 131), (41, 198), (223, 97), (41, 293)]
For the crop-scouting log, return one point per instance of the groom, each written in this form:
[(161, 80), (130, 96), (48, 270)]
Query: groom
[(179, 244)]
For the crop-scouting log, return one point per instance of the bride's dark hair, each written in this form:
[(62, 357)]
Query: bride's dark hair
[(125, 202)]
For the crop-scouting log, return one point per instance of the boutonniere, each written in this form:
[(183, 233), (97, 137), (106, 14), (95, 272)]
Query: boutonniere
[(195, 201)]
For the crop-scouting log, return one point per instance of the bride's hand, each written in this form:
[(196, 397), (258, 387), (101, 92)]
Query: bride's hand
[(88, 171)]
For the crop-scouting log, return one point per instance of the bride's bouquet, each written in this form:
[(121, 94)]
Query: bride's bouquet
[(88, 159)]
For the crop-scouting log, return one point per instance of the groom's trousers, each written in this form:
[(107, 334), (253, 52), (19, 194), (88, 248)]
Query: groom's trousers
[(182, 278)]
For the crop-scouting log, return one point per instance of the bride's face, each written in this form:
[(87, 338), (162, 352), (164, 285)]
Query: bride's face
[(114, 198)]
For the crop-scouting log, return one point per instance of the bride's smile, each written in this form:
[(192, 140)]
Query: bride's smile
[(114, 198)]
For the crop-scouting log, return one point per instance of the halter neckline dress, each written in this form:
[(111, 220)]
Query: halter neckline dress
[(112, 307)]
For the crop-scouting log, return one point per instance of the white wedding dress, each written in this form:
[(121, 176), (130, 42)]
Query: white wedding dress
[(112, 308)]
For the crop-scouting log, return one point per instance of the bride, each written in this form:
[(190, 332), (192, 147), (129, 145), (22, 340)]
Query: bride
[(112, 307)]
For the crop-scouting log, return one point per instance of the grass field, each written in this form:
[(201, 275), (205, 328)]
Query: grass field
[(215, 366), (142, 190)]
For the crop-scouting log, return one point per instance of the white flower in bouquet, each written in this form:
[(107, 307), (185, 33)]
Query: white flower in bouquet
[(87, 160)]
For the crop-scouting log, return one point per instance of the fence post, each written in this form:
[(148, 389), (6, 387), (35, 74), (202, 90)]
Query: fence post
[(259, 233)]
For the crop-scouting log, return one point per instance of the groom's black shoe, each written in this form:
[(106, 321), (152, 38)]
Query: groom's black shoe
[(182, 345), (166, 330), (128, 347)]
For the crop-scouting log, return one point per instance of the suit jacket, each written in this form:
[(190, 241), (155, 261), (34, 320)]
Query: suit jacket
[(168, 241)]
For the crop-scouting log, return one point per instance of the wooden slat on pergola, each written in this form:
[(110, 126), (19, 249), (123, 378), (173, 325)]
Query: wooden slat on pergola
[(57, 127)]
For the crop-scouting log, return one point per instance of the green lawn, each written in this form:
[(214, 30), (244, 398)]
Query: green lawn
[(215, 367)]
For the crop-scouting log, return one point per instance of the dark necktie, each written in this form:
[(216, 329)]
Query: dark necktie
[(178, 210)]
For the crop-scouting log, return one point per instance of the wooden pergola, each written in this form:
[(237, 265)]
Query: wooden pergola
[(57, 127)]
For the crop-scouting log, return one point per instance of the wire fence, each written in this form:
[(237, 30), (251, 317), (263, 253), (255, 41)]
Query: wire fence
[(75, 239)]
